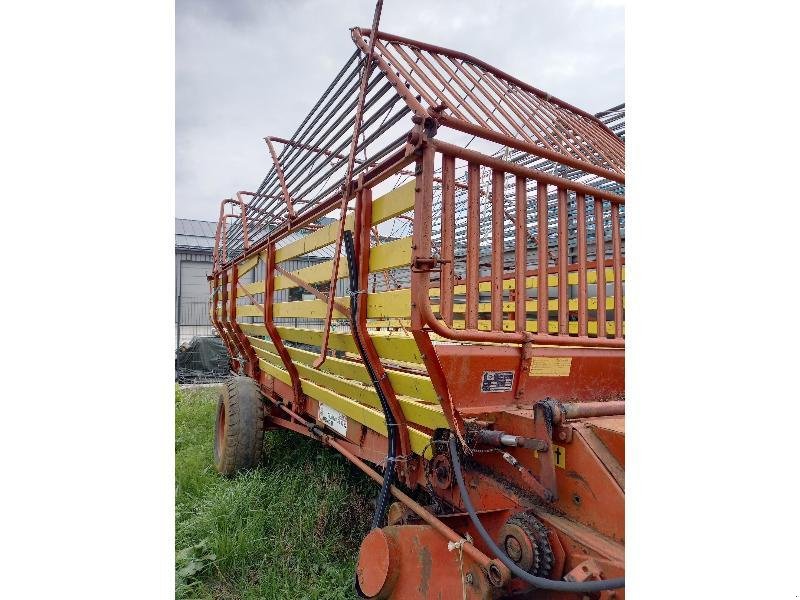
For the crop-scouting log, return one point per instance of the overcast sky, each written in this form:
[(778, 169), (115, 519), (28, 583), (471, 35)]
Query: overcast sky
[(250, 68)]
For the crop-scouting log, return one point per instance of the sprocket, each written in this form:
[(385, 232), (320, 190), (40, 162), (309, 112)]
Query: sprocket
[(525, 539)]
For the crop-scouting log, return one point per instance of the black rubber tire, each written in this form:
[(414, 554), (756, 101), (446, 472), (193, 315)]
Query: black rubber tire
[(239, 427)]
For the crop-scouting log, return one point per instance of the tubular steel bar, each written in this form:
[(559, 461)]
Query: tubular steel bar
[(583, 410), (521, 254), (286, 196), (583, 313), (272, 331), (498, 187), (600, 253), (473, 237), (389, 37), (616, 243), (534, 149), (448, 233), (420, 284), (249, 354), (563, 226), (346, 184), (542, 290), (510, 167)]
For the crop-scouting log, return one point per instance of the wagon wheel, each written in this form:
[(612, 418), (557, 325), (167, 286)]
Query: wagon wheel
[(239, 428)]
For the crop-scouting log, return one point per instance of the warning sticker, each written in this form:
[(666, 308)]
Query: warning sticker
[(560, 456), (497, 381), (546, 366)]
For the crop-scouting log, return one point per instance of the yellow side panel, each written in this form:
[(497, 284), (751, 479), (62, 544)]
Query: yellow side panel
[(358, 412), (532, 326), (313, 274), (383, 257), (313, 241), (308, 309), (427, 415), (390, 255), (531, 305), (250, 310), (257, 287), (384, 208), (248, 265), (278, 373), (394, 203), (391, 345), (396, 303), (404, 384), (532, 282)]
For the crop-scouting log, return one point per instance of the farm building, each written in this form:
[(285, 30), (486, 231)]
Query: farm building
[(194, 246)]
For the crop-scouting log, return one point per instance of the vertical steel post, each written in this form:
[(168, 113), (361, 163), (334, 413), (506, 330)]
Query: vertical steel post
[(583, 312), (498, 219), (448, 235), (272, 331), (473, 245), (563, 298), (521, 254), (542, 289), (600, 255), (617, 262)]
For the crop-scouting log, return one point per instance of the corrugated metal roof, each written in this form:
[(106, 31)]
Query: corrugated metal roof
[(193, 234)]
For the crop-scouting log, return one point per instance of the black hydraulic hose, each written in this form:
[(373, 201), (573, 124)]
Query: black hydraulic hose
[(539, 582), (391, 423)]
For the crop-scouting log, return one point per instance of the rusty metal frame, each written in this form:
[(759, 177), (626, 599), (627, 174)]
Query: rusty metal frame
[(286, 196), (272, 331), (466, 95), (309, 288), (424, 218)]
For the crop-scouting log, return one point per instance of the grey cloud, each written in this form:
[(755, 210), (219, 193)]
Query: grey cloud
[(246, 69)]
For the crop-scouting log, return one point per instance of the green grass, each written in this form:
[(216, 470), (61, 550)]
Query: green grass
[(290, 529)]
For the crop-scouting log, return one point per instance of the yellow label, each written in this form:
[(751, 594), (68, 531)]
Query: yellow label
[(546, 366), (560, 456)]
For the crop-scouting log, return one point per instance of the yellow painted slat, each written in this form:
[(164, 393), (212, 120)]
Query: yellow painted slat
[(532, 282), (397, 346), (250, 310), (308, 309), (531, 305), (320, 238), (396, 303), (248, 265), (257, 287), (383, 257), (390, 255), (365, 415), (277, 372), (427, 415), (404, 384), (313, 274), (485, 325), (394, 203), (531, 325), (384, 208)]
